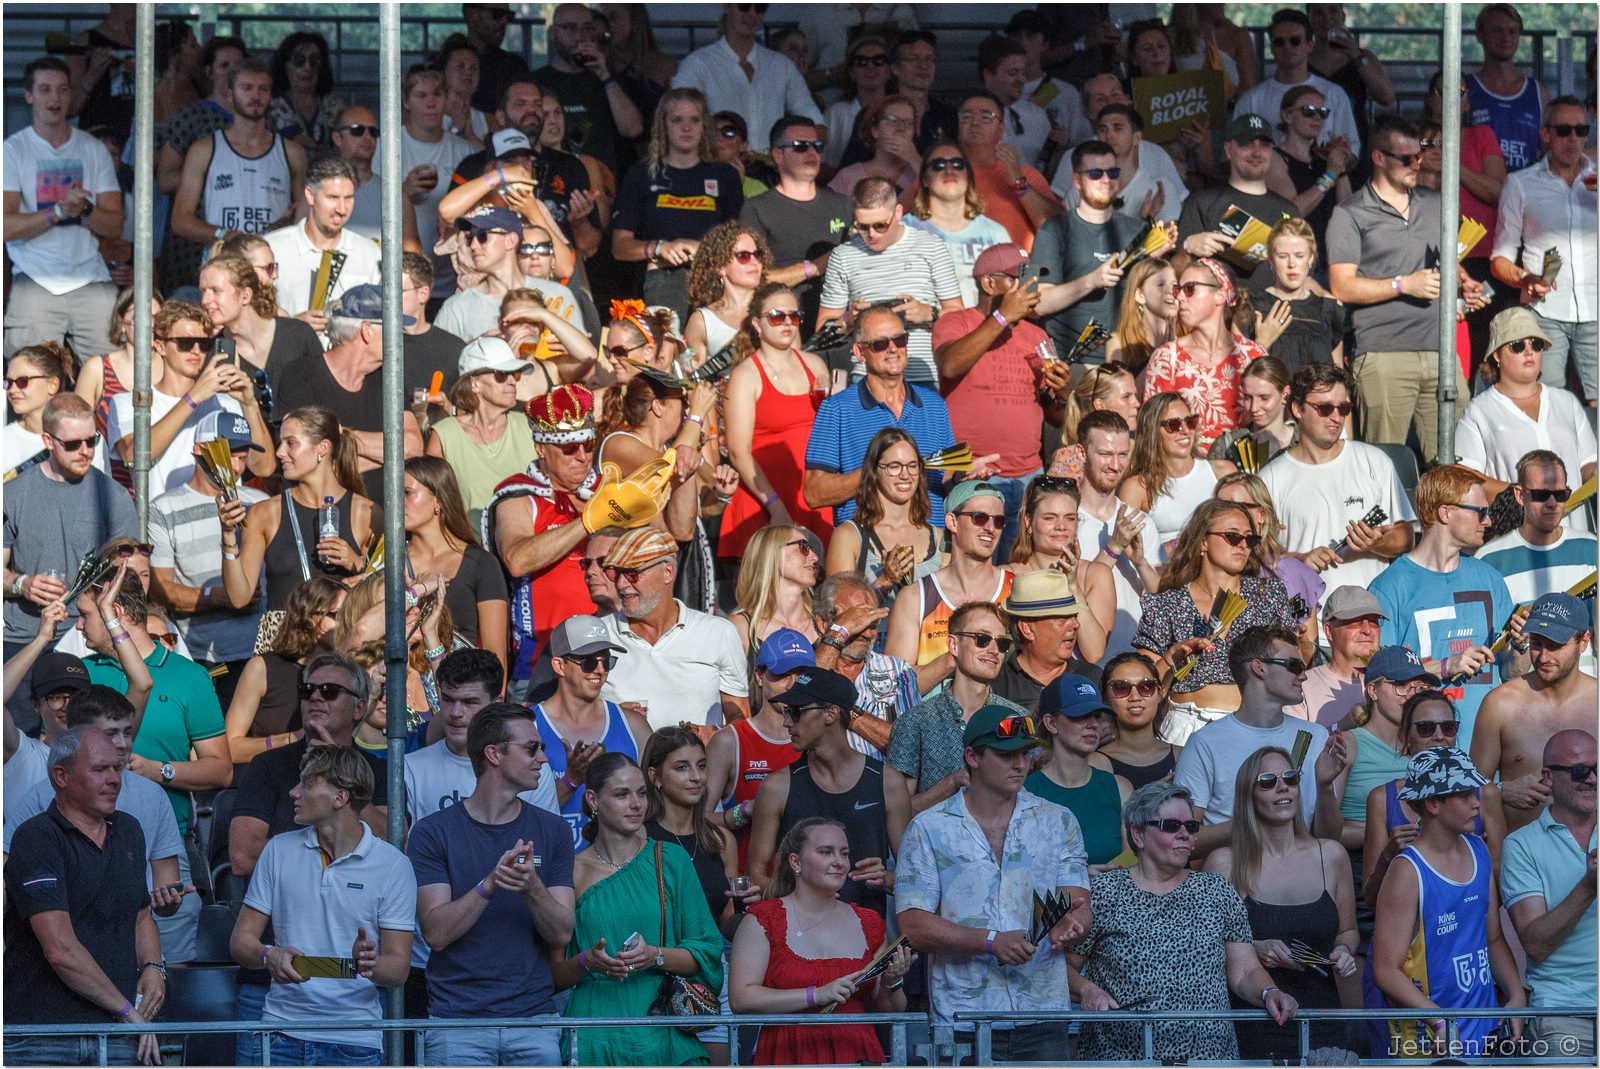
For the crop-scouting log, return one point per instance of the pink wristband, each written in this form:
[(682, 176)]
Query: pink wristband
[(808, 269), (1005, 324)]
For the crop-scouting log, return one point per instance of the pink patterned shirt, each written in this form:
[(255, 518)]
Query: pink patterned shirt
[(1212, 393)]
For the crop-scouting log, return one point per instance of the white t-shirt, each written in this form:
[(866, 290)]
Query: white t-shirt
[(1155, 168), (442, 155), (1210, 761), (1315, 503), (1093, 534), (1494, 434), (965, 246), (175, 466), (1064, 106), (298, 261), (469, 314), (684, 675), (65, 257), (317, 909), (25, 771), (1266, 100), (1027, 129)]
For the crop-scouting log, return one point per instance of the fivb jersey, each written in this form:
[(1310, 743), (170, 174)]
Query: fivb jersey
[(246, 193), (1448, 959), (616, 739), (755, 758)]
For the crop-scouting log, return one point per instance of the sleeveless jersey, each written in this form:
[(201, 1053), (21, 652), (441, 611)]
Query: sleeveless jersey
[(1449, 957), (617, 739), (1515, 120), (860, 809), (936, 611), (755, 757), (243, 192)]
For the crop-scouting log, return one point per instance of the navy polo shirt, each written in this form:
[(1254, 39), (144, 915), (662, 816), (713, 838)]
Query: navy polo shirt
[(847, 421), (55, 867)]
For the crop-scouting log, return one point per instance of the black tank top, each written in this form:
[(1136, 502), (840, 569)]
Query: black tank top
[(707, 866), (279, 709), (1315, 924), (1139, 775), (281, 563), (860, 809)]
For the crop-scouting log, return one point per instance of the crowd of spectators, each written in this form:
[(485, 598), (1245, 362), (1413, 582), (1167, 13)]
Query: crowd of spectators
[(835, 510)]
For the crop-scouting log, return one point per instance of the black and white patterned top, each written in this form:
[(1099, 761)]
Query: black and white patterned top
[(1171, 616)]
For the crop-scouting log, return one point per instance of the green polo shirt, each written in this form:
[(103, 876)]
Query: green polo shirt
[(1544, 860), (182, 710)]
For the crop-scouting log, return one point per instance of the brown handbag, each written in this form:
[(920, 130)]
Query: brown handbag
[(680, 996)]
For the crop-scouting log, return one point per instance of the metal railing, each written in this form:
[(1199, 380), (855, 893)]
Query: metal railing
[(983, 1025), (898, 1024)]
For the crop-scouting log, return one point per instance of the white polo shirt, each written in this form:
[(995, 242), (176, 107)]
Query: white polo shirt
[(317, 909), (298, 261), (684, 675), (1494, 434)]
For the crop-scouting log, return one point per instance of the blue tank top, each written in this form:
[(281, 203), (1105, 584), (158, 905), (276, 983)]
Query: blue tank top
[(1449, 957), (617, 739), (1515, 120)]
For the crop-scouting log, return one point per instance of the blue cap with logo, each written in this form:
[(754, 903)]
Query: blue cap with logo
[(1398, 664), (783, 651), (491, 217), (229, 426), (1558, 617), (1072, 696)]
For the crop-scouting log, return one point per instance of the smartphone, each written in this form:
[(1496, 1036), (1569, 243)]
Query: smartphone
[(632, 941), (1028, 272), (225, 349)]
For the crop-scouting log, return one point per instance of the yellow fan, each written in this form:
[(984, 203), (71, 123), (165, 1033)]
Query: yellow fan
[(1469, 235), (1232, 605), (632, 501), (1151, 241), (1584, 587), (1249, 454), (957, 457), (1579, 496)]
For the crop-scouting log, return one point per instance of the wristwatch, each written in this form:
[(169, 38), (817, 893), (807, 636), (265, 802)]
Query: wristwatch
[(167, 772), (661, 957)]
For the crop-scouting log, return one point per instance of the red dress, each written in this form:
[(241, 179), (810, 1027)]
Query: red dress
[(778, 443), (841, 1044)]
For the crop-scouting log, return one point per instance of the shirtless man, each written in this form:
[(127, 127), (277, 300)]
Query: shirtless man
[(1519, 717)]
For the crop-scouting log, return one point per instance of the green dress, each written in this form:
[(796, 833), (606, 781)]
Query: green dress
[(625, 902)]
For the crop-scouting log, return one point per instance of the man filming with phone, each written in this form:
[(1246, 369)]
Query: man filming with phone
[(197, 381)]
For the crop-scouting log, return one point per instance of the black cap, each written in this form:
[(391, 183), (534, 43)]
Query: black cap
[(818, 686), (58, 671)]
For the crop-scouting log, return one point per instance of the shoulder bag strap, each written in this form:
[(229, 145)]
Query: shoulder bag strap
[(661, 891), (299, 543)]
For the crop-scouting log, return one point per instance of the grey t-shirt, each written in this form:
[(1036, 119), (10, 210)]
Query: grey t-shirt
[(800, 230), (1068, 247), (469, 314), (1382, 243), (54, 525)]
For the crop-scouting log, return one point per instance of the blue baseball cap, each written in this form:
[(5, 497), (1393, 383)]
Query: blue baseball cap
[(1073, 697), (1397, 664), (783, 651), (491, 217), (1559, 617), (363, 302), (229, 426)]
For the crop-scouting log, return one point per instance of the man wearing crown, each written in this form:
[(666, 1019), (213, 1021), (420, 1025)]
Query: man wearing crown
[(535, 524)]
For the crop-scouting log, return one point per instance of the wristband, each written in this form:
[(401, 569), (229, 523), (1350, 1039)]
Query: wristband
[(266, 948), (650, 249), (1397, 285), (768, 501), (582, 963), (118, 637), (411, 598), (269, 742), (988, 941), (1265, 991), (1114, 554), (1020, 185), (573, 787), (485, 895), (811, 998), (434, 654), (499, 178), (188, 400), (16, 584), (230, 554), (54, 212), (808, 268), (1005, 324), (127, 1008), (698, 419), (724, 499), (610, 83)]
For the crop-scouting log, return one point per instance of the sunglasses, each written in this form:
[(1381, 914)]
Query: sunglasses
[(1094, 174), (1521, 345), (630, 574), (1328, 408), (619, 352), (1013, 727), (1268, 780), (543, 248), (879, 60), (779, 316), (1288, 42), (128, 551), (1294, 665), (1178, 423), (72, 445), (188, 345), (759, 9), (585, 563), (271, 270), (1569, 129), (1189, 289), (1480, 511), (982, 639), (947, 163), (883, 345), (804, 146), (872, 228), (302, 59), (593, 662), (530, 748), (503, 377), (471, 235), (1236, 538), (746, 256), (572, 449), (328, 691), (1172, 825), (1410, 160), (166, 638), (21, 381), (1124, 688), (983, 520), (1541, 496), (1314, 111), (1427, 729), (357, 129), (804, 543), (1579, 773), (730, 132)]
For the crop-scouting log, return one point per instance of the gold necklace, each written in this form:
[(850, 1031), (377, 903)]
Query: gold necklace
[(598, 856)]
